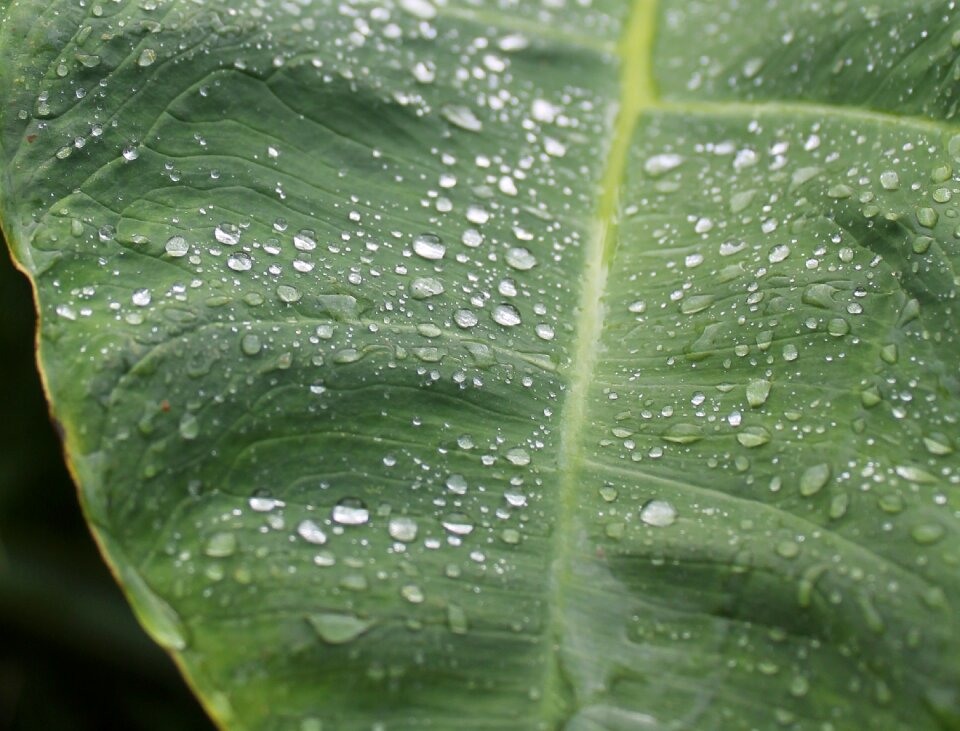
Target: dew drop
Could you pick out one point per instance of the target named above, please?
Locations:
(506, 315)
(227, 234)
(240, 262)
(403, 529)
(521, 259)
(338, 629)
(311, 532)
(658, 513)
(177, 246)
(429, 246)
(462, 117)
(221, 545)
(350, 511)
(813, 479)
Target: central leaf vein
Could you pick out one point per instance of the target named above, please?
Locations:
(637, 94)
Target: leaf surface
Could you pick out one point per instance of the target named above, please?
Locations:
(583, 366)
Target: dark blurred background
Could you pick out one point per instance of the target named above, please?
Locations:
(72, 656)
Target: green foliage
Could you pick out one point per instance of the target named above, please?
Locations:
(531, 365)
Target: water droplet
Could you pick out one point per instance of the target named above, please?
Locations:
(403, 529)
(457, 619)
(221, 545)
(890, 180)
(412, 593)
(927, 533)
(311, 532)
(506, 315)
(661, 164)
(545, 332)
(177, 246)
(337, 629)
(240, 262)
(813, 479)
(305, 240)
(424, 72)
(753, 436)
(457, 483)
(141, 297)
(521, 259)
(758, 390)
(462, 117)
(250, 344)
(227, 234)
(458, 524)
(682, 433)
(288, 294)
(658, 513)
(429, 246)
(350, 511)
(425, 287)
(696, 303)
(147, 57)
(189, 426)
(518, 456)
(478, 215)
(938, 444)
(465, 319)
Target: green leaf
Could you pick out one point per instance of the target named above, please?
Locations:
(530, 365)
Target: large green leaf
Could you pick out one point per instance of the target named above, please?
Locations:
(515, 365)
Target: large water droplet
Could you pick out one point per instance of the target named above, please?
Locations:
(429, 246)
(658, 513)
(350, 511)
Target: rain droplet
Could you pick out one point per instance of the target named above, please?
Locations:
(758, 390)
(429, 246)
(189, 426)
(506, 315)
(658, 513)
(311, 532)
(240, 262)
(462, 117)
(147, 57)
(227, 234)
(465, 319)
(337, 629)
(518, 456)
(350, 511)
(813, 479)
(305, 240)
(426, 287)
(661, 164)
(403, 529)
(177, 246)
(221, 545)
(521, 259)
(753, 436)
(457, 483)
